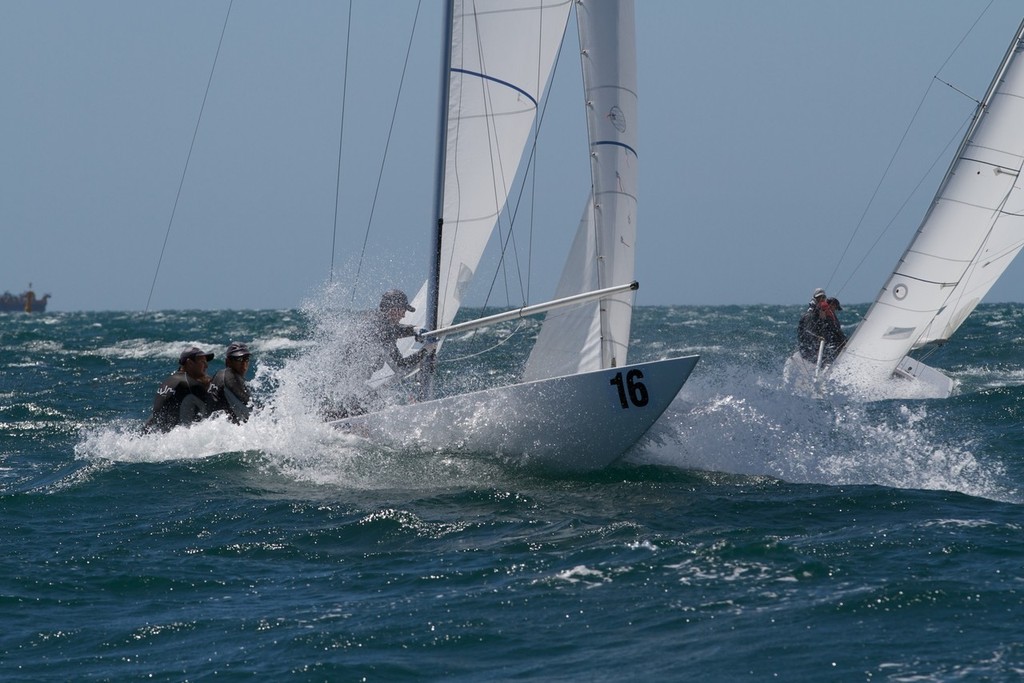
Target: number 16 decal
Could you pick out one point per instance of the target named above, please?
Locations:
(632, 390)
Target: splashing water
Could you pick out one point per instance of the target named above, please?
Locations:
(758, 428)
(734, 415)
(287, 431)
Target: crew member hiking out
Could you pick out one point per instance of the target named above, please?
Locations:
(182, 398)
(228, 391)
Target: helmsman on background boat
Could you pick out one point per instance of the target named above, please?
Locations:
(819, 335)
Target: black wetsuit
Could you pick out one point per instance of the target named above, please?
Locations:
(371, 345)
(809, 333)
(228, 392)
(387, 335)
(179, 400)
(817, 324)
(835, 338)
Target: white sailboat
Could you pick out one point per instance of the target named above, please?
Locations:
(580, 404)
(972, 231)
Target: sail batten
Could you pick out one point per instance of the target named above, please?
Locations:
(488, 77)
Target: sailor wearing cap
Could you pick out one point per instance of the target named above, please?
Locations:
(227, 389)
(182, 398)
(371, 346)
(394, 304)
(388, 329)
(395, 300)
(810, 331)
(819, 335)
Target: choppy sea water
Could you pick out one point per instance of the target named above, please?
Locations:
(753, 535)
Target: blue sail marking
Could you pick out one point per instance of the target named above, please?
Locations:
(617, 144)
(497, 80)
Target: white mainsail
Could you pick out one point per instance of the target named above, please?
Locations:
(596, 335)
(972, 231)
(502, 56)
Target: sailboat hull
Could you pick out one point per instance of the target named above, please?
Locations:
(574, 423)
(912, 379)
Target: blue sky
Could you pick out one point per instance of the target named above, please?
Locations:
(765, 129)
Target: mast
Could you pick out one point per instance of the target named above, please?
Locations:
(434, 269)
(979, 112)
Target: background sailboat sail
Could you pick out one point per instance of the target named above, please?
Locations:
(502, 56)
(972, 231)
(596, 335)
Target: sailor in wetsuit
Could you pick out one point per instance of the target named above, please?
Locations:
(182, 398)
(386, 330)
(373, 345)
(835, 338)
(227, 389)
(811, 329)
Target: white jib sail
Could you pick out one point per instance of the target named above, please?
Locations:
(972, 231)
(596, 335)
(503, 53)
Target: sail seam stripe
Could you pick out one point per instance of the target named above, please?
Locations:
(937, 257)
(993, 164)
(974, 205)
(928, 282)
(513, 86)
(616, 143)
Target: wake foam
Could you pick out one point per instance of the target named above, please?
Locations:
(287, 432)
(737, 424)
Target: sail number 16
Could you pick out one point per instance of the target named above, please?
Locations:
(632, 390)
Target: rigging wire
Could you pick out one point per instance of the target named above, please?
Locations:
(184, 171)
(387, 145)
(501, 342)
(892, 160)
(941, 155)
(953, 87)
(341, 139)
(533, 176)
(531, 166)
(499, 185)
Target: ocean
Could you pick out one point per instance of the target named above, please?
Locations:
(754, 534)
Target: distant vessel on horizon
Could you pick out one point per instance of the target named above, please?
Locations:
(26, 301)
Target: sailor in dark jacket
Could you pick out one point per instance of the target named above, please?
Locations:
(835, 338)
(386, 329)
(372, 344)
(227, 390)
(182, 398)
(812, 327)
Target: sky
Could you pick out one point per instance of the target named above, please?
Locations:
(783, 146)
